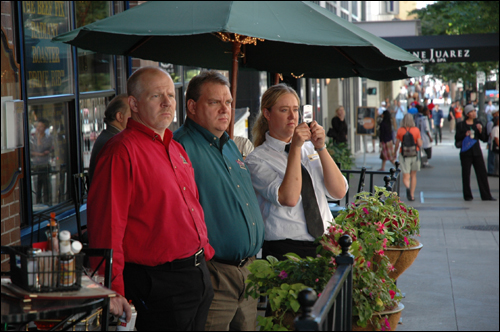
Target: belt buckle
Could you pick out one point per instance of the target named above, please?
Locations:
(243, 262)
(197, 261)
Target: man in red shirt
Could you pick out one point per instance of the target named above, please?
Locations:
(144, 204)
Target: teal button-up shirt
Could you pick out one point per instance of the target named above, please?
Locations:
(232, 214)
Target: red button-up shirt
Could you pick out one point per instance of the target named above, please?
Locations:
(143, 202)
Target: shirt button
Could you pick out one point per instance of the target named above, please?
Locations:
(192, 209)
(229, 167)
(238, 185)
(184, 188)
(253, 223)
(247, 204)
(175, 166)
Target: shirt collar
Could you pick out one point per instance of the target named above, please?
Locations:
(276, 144)
(211, 138)
(167, 135)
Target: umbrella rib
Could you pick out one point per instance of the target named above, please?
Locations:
(348, 58)
(138, 44)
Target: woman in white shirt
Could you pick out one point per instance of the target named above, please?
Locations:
(277, 175)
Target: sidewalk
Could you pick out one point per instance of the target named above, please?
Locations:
(454, 283)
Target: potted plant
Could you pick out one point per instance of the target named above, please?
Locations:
(281, 282)
(374, 292)
(396, 223)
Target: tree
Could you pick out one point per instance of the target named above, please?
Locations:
(459, 18)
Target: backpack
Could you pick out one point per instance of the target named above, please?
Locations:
(409, 148)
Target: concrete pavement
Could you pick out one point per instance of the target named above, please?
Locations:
(454, 283)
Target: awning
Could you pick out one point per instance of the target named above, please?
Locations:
(450, 48)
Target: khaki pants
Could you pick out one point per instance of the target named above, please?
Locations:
(230, 310)
(452, 125)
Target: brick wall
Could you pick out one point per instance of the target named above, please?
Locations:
(11, 222)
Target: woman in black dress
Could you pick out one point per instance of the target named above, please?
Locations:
(386, 143)
(338, 132)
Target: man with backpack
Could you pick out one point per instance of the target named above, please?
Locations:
(409, 138)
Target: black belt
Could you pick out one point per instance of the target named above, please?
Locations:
(178, 264)
(234, 263)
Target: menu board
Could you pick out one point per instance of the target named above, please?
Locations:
(48, 64)
(366, 120)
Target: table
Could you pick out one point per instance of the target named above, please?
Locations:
(20, 307)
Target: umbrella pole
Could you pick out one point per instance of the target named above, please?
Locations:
(234, 86)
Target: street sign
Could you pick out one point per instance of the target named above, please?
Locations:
(480, 77)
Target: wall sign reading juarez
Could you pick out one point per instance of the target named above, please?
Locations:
(48, 64)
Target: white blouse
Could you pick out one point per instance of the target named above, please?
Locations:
(267, 165)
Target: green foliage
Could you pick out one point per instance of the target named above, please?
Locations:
(281, 282)
(341, 153)
(458, 18)
(373, 222)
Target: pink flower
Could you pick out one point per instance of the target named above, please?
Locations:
(383, 280)
(332, 261)
(406, 241)
(392, 293)
(317, 279)
(384, 244)
(391, 267)
(368, 264)
(380, 252)
(283, 275)
(387, 325)
(381, 227)
(365, 210)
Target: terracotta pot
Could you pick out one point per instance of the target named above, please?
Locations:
(402, 258)
(393, 318)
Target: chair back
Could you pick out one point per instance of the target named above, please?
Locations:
(81, 184)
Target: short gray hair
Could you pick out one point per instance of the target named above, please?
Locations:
(408, 121)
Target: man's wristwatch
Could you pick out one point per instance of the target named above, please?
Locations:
(320, 149)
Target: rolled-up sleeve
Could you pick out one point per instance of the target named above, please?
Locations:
(265, 180)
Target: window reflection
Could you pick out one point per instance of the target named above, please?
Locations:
(49, 154)
(95, 70)
(92, 123)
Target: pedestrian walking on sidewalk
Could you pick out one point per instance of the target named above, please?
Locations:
(386, 143)
(409, 165)
(467, 137)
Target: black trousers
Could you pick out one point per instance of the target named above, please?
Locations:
(481, 175)
(175, 300)
(282, 247)
(438, 132)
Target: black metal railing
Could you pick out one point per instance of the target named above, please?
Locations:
(392, 180)
(332, 311)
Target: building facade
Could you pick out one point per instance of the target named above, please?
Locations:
(57, 94)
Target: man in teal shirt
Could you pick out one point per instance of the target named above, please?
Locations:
(232, 214)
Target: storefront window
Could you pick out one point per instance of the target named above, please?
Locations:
(49, 155)
(95, 70)
(48, 64)
(92, 123)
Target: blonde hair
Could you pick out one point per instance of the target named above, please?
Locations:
(337, 111)
(408, 121)
(269, 99)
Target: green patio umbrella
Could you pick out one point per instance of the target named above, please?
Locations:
(289, 37)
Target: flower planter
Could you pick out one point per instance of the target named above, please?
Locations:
(402, 258)
(393, 319)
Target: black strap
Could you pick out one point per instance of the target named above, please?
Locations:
(309, 203)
